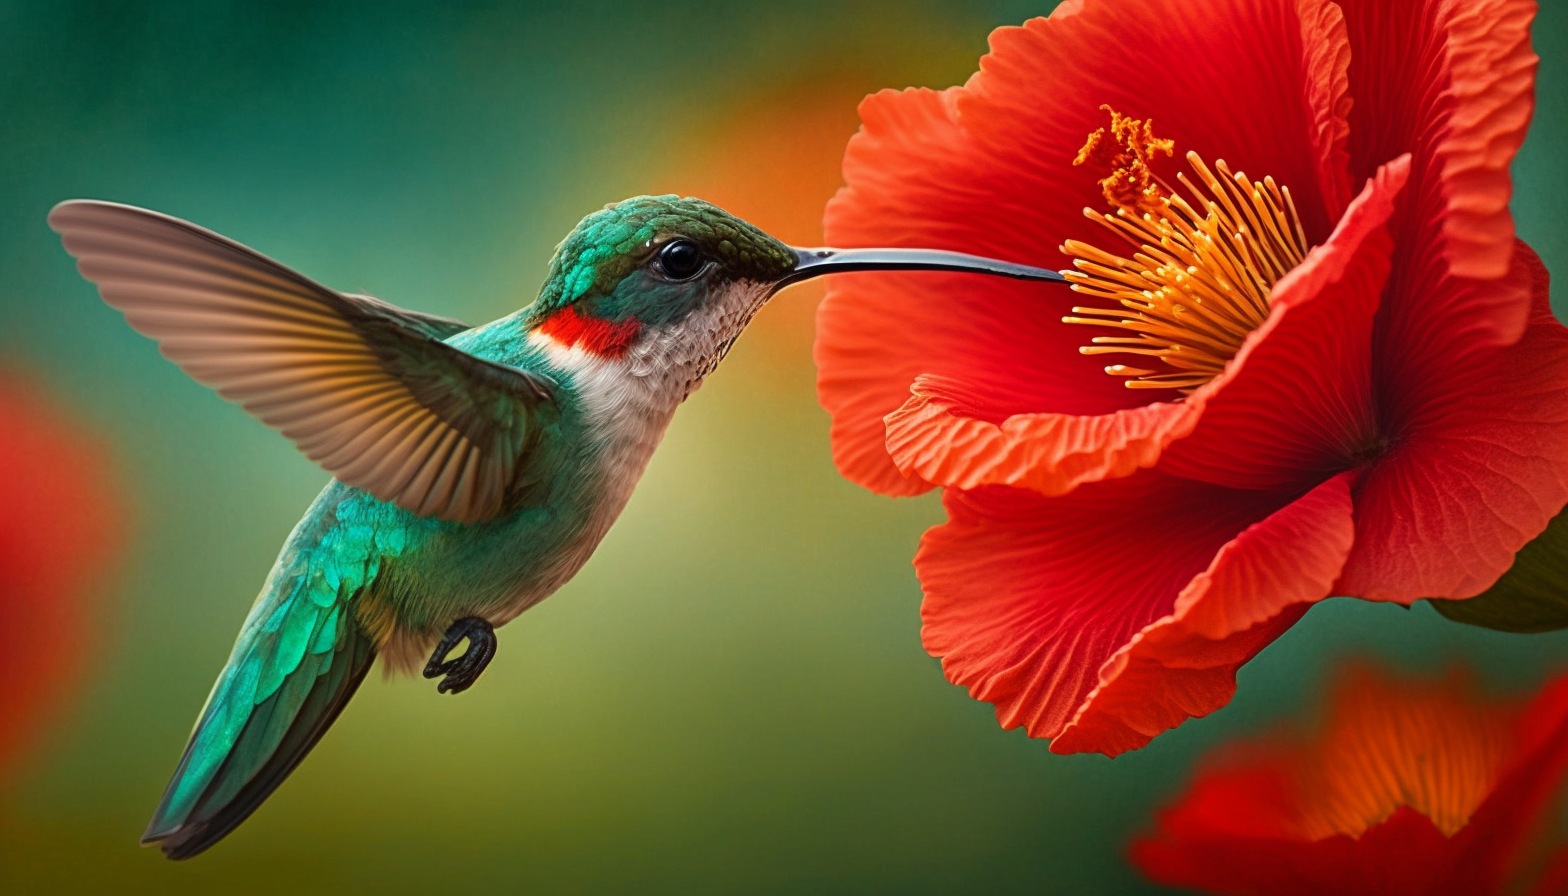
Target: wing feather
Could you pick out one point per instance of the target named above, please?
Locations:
(367, 390)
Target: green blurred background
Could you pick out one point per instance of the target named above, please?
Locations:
(732, 696)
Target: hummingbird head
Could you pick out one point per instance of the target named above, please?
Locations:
(676, 280)
(651, 262)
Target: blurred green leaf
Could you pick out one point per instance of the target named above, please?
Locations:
(1531, 597)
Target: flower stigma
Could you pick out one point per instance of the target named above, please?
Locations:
(1201, 270)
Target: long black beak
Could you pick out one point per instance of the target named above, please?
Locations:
(815, 262)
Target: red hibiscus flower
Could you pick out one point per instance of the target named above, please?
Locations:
(1412, 789)
(1334, 370)
(59, 531)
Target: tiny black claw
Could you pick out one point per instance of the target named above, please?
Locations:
(464, 670)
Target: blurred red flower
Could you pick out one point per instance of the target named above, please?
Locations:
(60, 529)
(1413, 788)
(1344, 376)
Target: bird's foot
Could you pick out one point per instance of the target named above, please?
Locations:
(464, 670)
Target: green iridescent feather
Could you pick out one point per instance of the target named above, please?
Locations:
(299, 658)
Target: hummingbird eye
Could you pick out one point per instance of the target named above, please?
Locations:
(680, 260)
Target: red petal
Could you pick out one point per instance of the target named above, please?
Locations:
(1404, 856)
(1296, 402)
(1259, 84)
(871, 351)
(987, 169)
(1026, 597)
(1293, 406)
(1326, 66)
(877, 333)
(1435, 745)
(1249, 824)
(1478, 466)
(1554, 882)
(1452, 81)
(1519, 809)
(944, 435)
(1184, 665)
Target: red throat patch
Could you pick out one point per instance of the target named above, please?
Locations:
(604, 338)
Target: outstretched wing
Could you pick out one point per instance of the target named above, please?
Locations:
(366, 390)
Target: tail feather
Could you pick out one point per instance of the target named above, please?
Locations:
(298, 660)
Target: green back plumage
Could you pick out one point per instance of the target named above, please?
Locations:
(299, 658)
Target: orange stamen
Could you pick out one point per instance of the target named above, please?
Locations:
(1202, 270)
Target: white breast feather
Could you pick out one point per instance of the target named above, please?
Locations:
(629, 402)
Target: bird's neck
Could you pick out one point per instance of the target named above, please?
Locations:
(625, 405)
(664, 357)
(595, 337)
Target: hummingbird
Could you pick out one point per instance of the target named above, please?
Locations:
(475, 469)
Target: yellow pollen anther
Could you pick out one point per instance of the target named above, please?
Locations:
(1201, 270)
(1126, 152)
